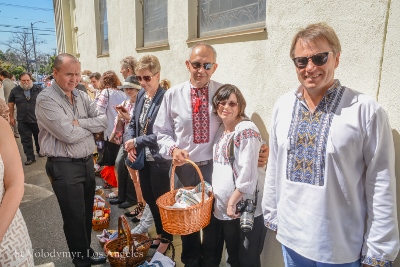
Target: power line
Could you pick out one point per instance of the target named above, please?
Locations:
(27, 28)
(2, 17)
(28, 7)
(27, 33)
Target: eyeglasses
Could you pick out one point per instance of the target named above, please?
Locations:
(197, 65)
(231, 104)
(318, 60)
(145, 78)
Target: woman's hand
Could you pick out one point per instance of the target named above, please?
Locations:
(231, 211)
(123, 115)
(233, 200)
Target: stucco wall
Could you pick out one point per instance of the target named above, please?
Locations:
(369, 31)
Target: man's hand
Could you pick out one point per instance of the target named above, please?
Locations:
(76, 123)
(179, 156)
(263, 156)
(12, 121)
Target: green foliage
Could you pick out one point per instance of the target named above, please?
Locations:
(9, 62)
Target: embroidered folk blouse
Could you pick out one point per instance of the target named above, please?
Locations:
(247, 141)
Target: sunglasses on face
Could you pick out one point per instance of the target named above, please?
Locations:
(318, 60)
(197, 65)
(145, 78)
(231, 104)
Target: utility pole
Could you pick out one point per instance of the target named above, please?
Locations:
(34, 47)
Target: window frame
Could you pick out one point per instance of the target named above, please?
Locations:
(255, 33)
(99, 33)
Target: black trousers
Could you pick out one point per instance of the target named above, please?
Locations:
(154, 181)
(74, 185)
(126, 189)
(193, 251)
(26, 130)
(244, 249)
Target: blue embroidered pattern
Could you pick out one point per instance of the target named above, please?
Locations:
(375, 262)
(308, 135)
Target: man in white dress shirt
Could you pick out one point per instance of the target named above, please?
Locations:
(330, 188)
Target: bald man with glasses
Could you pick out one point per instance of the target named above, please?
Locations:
(187, 131)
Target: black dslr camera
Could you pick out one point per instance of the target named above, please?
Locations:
(246, 208)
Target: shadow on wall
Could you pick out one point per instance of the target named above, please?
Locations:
(396, 140)
(261, 126)
(271, 255)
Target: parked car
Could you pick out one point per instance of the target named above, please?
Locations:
(41, 84)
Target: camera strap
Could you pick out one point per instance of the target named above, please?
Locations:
(232, 160)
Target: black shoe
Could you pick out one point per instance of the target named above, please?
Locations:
(126, 205)
(30, 161)
(98, 260)
(115, 201)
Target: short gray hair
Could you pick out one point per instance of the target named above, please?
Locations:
(207, 46)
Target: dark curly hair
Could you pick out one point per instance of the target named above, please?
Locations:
(109, 79)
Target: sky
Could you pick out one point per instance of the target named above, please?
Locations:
(18, 14)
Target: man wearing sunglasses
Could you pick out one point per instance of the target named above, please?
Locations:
(330, 182)
(185, 127)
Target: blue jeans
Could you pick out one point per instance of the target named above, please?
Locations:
(293, 259)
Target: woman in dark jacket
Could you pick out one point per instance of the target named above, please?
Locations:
(154, 176)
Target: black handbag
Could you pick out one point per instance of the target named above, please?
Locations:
(110, 153)
(138, 164)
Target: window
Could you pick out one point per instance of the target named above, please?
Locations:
(103, 27)
(155, 20)
(226, 16)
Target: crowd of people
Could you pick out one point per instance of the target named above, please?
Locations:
(325, 183)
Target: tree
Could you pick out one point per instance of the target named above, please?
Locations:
(20, 46)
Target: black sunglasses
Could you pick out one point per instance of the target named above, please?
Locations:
(198, 65)
(318, 60)
(145, 78)
(231, 104)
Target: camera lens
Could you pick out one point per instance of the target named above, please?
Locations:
(246, 221)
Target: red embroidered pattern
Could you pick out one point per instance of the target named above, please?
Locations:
(200, 115)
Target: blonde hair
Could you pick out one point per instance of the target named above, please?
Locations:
(148, 62)
(314, 32)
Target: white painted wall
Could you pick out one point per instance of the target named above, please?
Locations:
(369, 31)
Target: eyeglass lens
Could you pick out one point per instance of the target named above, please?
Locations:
(198, 65)
(145, 78)
(318, 59)
(231, 104)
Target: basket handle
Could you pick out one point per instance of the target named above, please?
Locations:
(124, 229)
(161, 239)
(198, 171)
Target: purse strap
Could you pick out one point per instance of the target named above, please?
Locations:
(151, 110)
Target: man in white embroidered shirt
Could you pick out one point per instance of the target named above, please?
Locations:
(186, 127)
(330, 182)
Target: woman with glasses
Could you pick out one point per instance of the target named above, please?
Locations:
(154, 176)
(237, 178)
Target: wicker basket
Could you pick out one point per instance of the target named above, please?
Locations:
(136, 255)
(186, 220)
(100, 224)
(100, 192)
